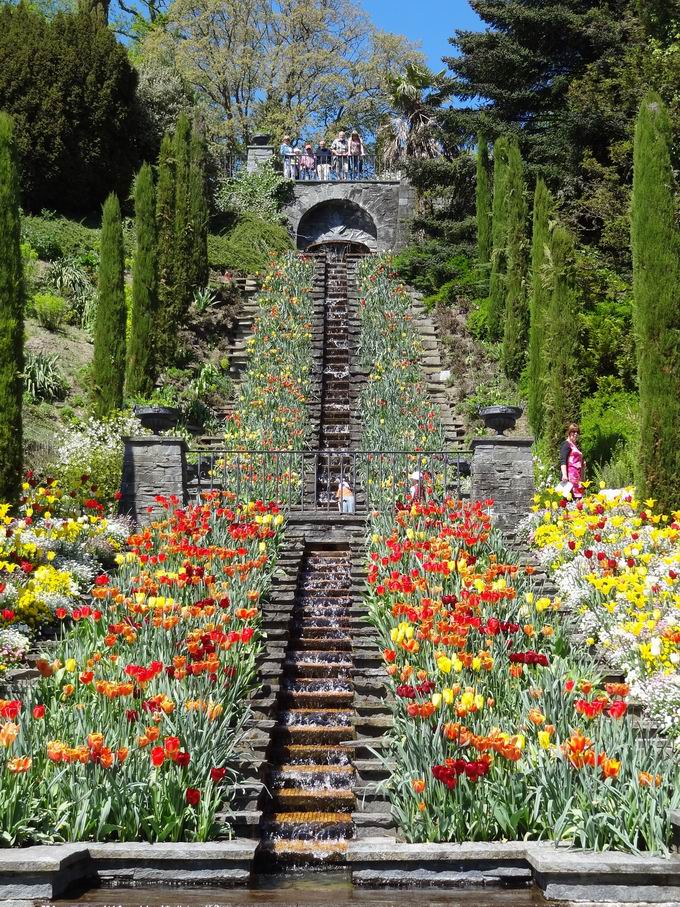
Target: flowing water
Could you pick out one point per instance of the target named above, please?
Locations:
(308, 816)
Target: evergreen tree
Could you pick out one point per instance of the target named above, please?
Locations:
(499, 239)
(198, 208)
(562, 384)
(183, 286)
(516, 323)
(656, 278)
(69, 86)
(483, 202)
(11, 318)
(141, 374)
(108, 365)
(165, 221)
(538, 306)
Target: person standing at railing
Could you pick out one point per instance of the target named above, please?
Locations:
(323, 161)
(308, 164)
(345, 497)
(340, 150)
(287, 153)
(356, 156)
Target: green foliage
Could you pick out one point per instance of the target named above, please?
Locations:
(248, 247)
(11, 317)
(516, 322)
(43, 379)
(483, 202)
(182, 274)
(108, 365)
(563, 383)
(656, 277)
(199, 214)
(71, 278)
(50, 310)
(140, 367)
(538, 306)
(56, 237)
(489, 392)
(262, 192)
(499, 239)
(609, 422)
(165, 225)
(70, 87)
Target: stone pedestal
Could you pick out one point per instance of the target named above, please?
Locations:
(258, 154)
(152, 465)
(503, 469)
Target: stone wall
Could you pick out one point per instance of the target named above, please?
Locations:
(388, 204)
(152, 466)
(503, 470)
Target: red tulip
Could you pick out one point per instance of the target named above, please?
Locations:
(216, 774)
(193, 796)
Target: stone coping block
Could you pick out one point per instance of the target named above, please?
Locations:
(214, 851)
(500, 441)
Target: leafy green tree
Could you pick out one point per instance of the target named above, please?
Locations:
(538, 306)
(562, 385)
(165, 221)
(499, 239)
(483, 202)
(70, 88)
(141, 372)
(198, 208)
(516, 323)
(108, 364)
(11, 318)
(656, 278)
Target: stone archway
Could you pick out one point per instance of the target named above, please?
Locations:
(337, 220)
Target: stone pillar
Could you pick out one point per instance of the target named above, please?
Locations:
(503, 469)
(152, 465)
(258, 154)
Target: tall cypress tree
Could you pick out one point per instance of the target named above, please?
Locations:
(11, 317)
(183, 239)
(140, 375)
(165, 221)
(538, 305)
(516, 323)
(483, 201)
(499, 239)
(562, 384)
(108, 366)
(656, 279)
(198, 207)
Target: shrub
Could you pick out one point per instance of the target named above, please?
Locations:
(261, 192)
(50, 310)
(56, 237)
(70, 278)
(609, 420)
(42, 378)
(247, 248)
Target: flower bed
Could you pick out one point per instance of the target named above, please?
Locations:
(50, 552)
(616, 563)
(270, 413)
(501, 731)
(128, 733)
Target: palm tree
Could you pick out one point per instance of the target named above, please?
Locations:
(416, 96)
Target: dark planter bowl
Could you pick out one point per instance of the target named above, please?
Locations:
(261, 138)
(158, 418)
(500, 418)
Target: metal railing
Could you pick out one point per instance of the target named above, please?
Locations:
(309, 480)
(353, 168)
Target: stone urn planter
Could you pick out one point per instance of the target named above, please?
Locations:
(261, 138)
(158, 418)
(500, 418)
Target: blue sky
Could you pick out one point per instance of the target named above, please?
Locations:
(431, 22)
